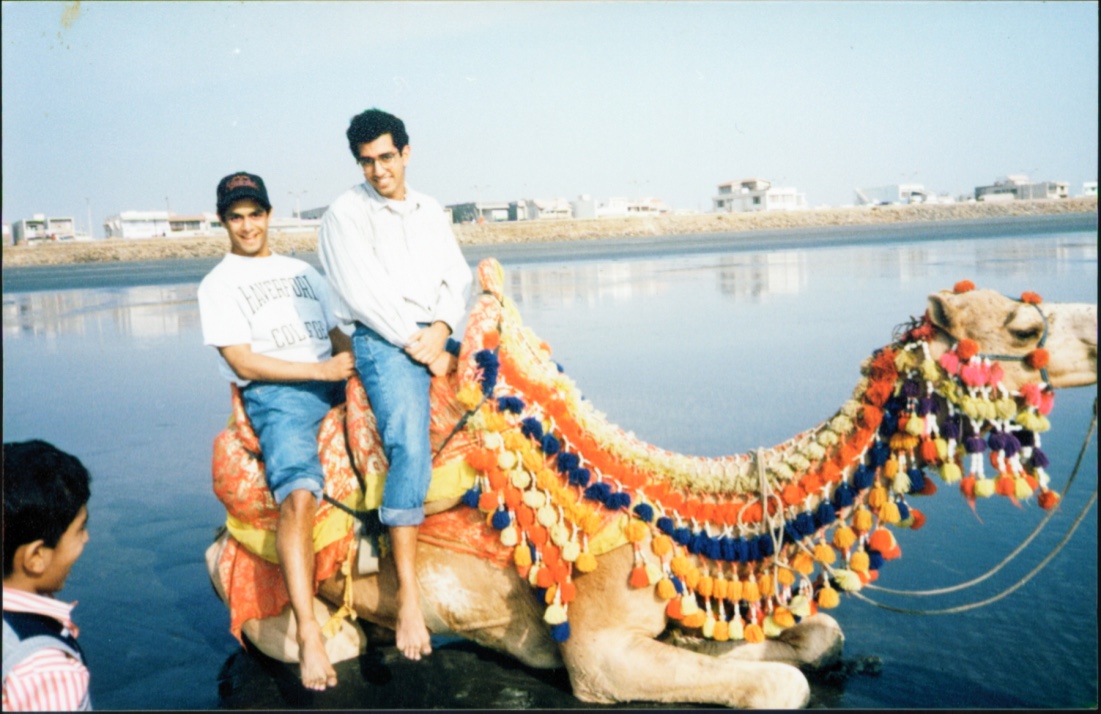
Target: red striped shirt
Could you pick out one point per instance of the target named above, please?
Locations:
(49, 679)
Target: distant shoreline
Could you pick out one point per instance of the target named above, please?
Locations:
(607, 230)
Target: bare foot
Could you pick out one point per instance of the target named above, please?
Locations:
(317, 671)
(411, 636)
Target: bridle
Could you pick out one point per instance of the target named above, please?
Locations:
(1011, 358)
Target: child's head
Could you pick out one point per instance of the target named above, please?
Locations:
(45, 511)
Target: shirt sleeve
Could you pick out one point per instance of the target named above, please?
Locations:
(223, 321)
(343, 247)
(47, 680)
(454, 289)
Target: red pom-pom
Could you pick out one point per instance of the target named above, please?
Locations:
(967, 349)
(929, 489)
(638, 577)
(1031, 298)
(917, 517)
(1037, 358)
(1048, 500)
(963, 286)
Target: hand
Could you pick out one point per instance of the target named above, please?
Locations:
(446, 363)
(426, 344)
(340, 367)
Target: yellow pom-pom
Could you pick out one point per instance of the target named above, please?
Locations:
(547, 516)
(506, 460)
(984, 487)
(889, 513)
(848, 580)
(785, 576)
(734, 589)
(534, 499)
(586, 562)
(680, 565)
(770, 627)
(750, 591)
(636, 531)
(719, 588)
(799, 606)
(844, 537)
(706, 586)
(859, 561)
(470, 394)
(653, 573)
(823, 553)
(901, 482)
(522, 555)
(783, 617)
(942, 448)
(662, 545)
(509, 536)
(878, 495)
(688, 605)
(828, 598)
(559, 535)
(692, 577)
(736, 628)
(708, 626)
(915, 425)
(555, 615)
(753, 633)
(570, 551)
(666, 589)
(1021, 488)
(862, 519)
(951, 472)
(519, 478)
(764, 585)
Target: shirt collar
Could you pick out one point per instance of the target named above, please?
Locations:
(23, 601)
(411, 203)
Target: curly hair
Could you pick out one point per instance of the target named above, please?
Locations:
(370, 125)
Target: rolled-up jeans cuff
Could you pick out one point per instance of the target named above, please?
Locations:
(401, 516)
(299, 484)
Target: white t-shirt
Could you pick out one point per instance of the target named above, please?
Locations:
(280, 306)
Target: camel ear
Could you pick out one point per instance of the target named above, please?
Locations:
(941, 311)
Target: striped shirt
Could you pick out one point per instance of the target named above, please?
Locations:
(49, 679)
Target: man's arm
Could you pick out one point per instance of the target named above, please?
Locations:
(247, 364)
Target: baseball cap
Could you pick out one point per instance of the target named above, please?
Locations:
(241, 185)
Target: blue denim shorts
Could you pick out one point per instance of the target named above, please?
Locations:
(286, 417)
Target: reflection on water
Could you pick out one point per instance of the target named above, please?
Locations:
(708, 354)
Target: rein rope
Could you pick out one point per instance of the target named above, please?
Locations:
(1015, 586)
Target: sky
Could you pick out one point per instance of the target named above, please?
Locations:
(113, 106)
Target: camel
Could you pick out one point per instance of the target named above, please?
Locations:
(561, 540)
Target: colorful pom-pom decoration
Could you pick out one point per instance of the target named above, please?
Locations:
(963, 286)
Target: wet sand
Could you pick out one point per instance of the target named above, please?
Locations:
(573, 231)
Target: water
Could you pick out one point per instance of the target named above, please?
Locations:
(709, 351)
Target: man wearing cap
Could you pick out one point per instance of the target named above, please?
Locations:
(271, 319)
(389, 253)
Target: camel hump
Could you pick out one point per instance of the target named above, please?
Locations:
(491, 276)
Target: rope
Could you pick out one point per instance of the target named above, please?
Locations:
(1043, 563)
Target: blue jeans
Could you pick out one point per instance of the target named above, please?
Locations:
(397, 388)
(286, 417)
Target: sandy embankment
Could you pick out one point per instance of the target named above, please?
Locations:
(561, 230)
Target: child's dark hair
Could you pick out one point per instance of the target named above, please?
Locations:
(44, 489)
(370, 125)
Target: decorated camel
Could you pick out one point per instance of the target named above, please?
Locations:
(561, 540)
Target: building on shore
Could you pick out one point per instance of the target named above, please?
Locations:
(1089, 188)
(41, 228)
(1017, 187)
(160, 224)
(617, 207)
(757, 194)
(899, 193)
(480, 212)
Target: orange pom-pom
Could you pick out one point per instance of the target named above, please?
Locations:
(696, 619)
(568, 592)
(661, 545)
(783, 617)
(636, 531)
(487, 502)
(672, 610)
(638, 577)
(753, 633)
(963, 286)
(1031, 298)
(793, 494)
(1037, 358)
(666, 589)
(491, 340)
(828, 598)
(722, 631)
(881, 540)
(706, 586)
(917, 519)
(966, 349)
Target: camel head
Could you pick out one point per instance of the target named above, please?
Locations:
(1025, 336)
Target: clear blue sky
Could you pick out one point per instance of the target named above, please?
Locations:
(124, 105)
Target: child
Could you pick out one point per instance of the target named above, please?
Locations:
(45, 528)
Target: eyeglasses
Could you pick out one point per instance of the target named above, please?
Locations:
(385, 160)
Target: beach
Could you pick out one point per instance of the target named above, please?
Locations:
(524, 232)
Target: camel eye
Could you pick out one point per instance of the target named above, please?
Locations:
(1025, 335)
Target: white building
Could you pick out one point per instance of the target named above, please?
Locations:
(1016, 187)
(41, 228)
(756, 194)
(900, 193)
(1089, 188)
(542, 209)
(160, 224)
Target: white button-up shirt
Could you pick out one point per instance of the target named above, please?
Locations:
(393, 263)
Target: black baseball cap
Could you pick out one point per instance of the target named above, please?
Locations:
(241, 185)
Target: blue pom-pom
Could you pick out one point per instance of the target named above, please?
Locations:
(665, 525)
(714, 549)
(879, 453)
(599, 491)
(844, 496)
(741, 545)
(698, 543)
(580, 477)
(531, 428)
(791, 530)
(510, 404)
(875, 559)
(677, 584)
(566, 461)
(804, 523)
(618, 500)
(550, 445)
(825, 515)
(682, 535)
(470, 498)
(560, 632)
(903, 510)
(917, 480)
(757, 548)
(863, 477)
(501, 519)
(729, 552)
(644, 511)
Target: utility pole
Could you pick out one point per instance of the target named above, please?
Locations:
(297, 205)
(91, 231)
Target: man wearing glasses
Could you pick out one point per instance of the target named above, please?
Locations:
(389, 253)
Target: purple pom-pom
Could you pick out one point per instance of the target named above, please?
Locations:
(1012, 445)
(974, 445)
(996, 440)
(1039, 459)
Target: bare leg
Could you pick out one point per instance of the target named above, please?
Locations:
(294, 543)
(412, 636)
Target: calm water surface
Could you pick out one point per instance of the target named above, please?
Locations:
(710, 353)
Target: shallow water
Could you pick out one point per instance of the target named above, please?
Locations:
(710, 353)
